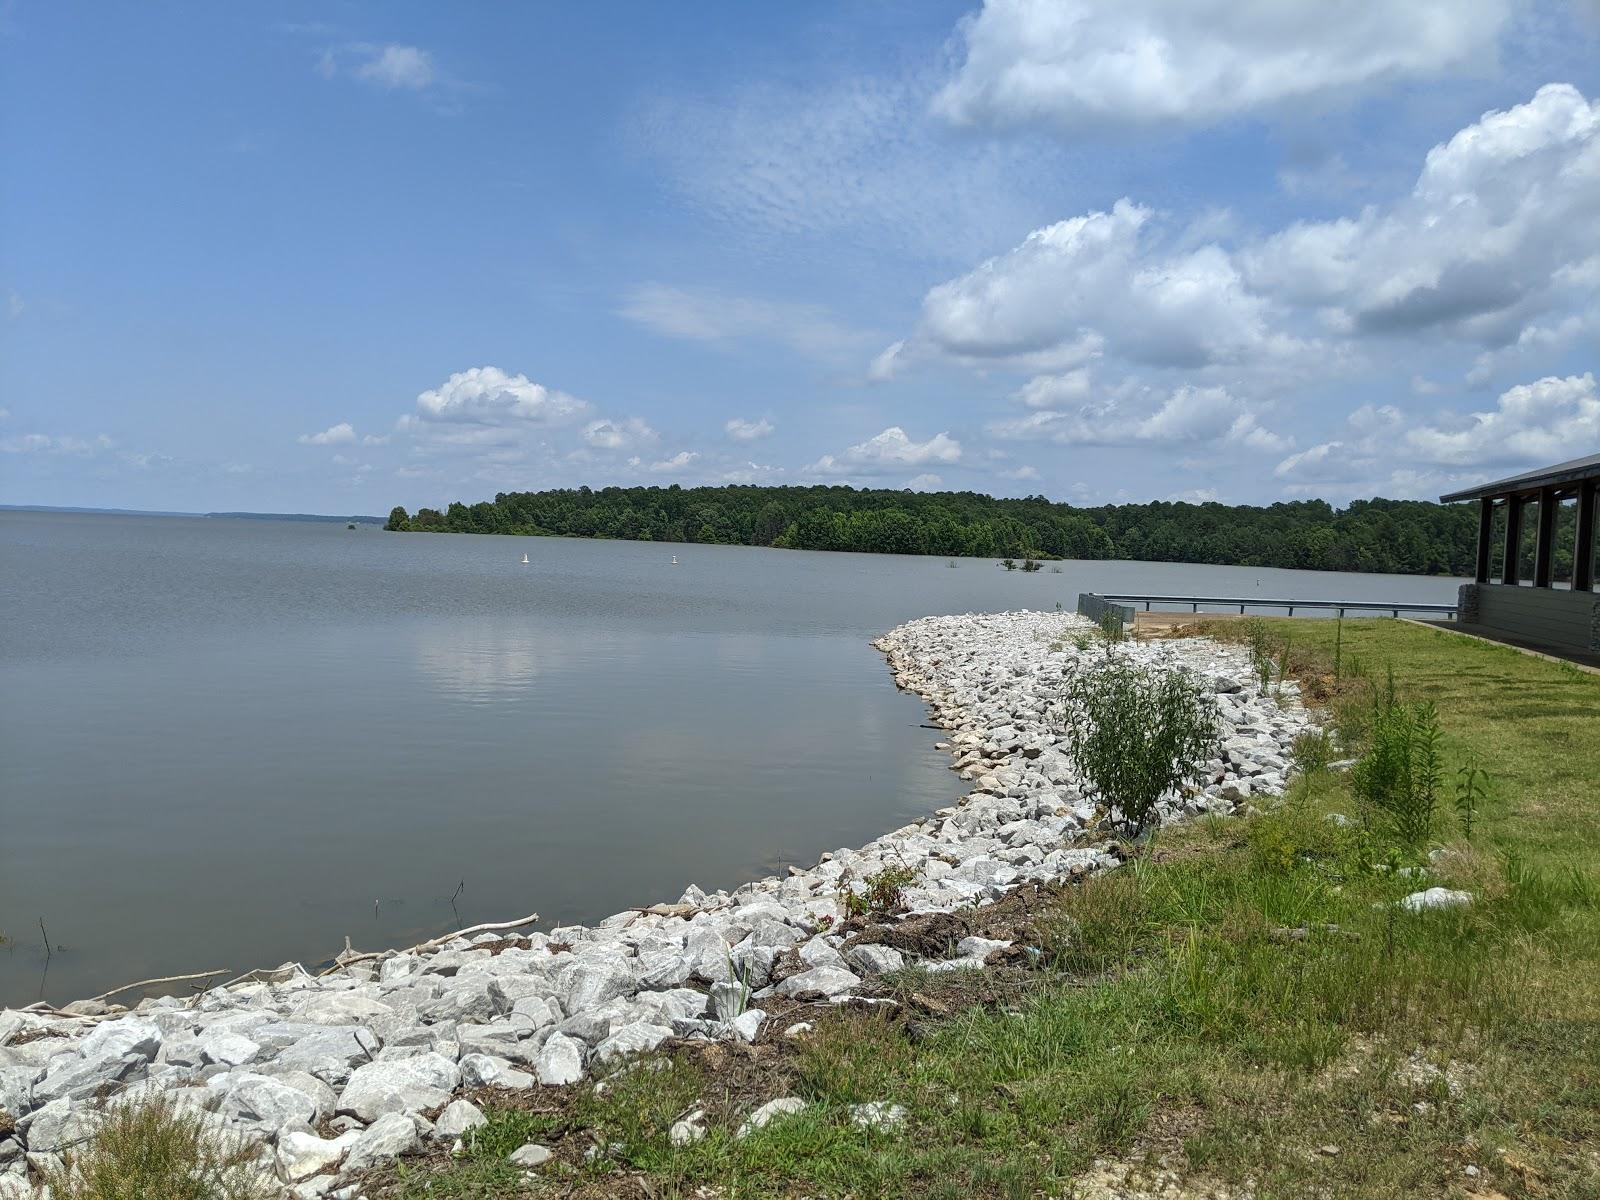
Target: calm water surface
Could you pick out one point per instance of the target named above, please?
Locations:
(224, 744)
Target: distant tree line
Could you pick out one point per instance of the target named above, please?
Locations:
(1401, 536)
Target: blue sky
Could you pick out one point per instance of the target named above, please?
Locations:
(337, 257)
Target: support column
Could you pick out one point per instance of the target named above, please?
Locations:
(1583, 552)
(1485, 531)
(1544, 546)
(1511, 570)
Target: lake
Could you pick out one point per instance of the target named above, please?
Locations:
(227, 743)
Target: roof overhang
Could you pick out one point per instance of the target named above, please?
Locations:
(1574, 471)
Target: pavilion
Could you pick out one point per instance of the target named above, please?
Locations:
(1552, 604)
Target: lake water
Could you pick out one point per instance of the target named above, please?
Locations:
(225, 744)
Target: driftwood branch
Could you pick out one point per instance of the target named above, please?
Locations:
(348, 955)
(345, 957)
(128, 987)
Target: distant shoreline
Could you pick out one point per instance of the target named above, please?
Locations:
(147, 512)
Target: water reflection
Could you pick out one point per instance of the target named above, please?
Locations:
(482, 661)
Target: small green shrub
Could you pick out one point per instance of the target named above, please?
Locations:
(1009, 564)
(145, 1151)
(1310, 755)
(882, 894)
(1401, 773)
(1030, 565)
(1138, 733)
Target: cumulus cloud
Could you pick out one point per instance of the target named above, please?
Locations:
(1052, 391)
(1383, 451)
(676, 465)
(1093, 284)
(1548, 420)
(1209, 414)
(705, 315)
(334, 435)
(1499, 227)
(889, 452)
(926, 482)
(741, 430)
(607, 434)
(488, 396)
(1122, 417)
(1081, 64)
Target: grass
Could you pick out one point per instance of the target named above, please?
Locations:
(1242, 1006)
(151, 1150)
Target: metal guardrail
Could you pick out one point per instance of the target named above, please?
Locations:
(1093, 604)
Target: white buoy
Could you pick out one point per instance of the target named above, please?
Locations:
(674, 560)
(524, 560)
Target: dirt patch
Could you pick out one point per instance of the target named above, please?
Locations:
(1013, 918)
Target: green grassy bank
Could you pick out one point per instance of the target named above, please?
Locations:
(1241, 1011)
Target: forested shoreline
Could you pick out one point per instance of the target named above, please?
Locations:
(1398, 536)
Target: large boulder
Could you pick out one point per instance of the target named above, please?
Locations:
(631, 1039)
(390, 1136)
(330, 1054)
(560, 1061)
(403, 1086)
(269, 1103)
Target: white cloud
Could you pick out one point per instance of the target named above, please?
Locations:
(888, 452)
(1093, 283)
(851, 159)
(488, 397)
(334, 435)
(677, 464)
(1209, 414)
(394, 66)
(1499, 227)
(926, 482)
(607, 434)
(1312, 461)
(1021, 473)
(1121, 417)
(886, 365)
(741, 430)
(1083, 64)
(703, 315)
(1052, 391)
(752, 472)
(1386, 453)
(61, 444)
(1549, 420)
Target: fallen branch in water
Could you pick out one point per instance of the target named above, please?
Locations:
(128, 987)
(348, 955)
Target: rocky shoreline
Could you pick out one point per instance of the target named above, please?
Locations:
(341, 1072)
